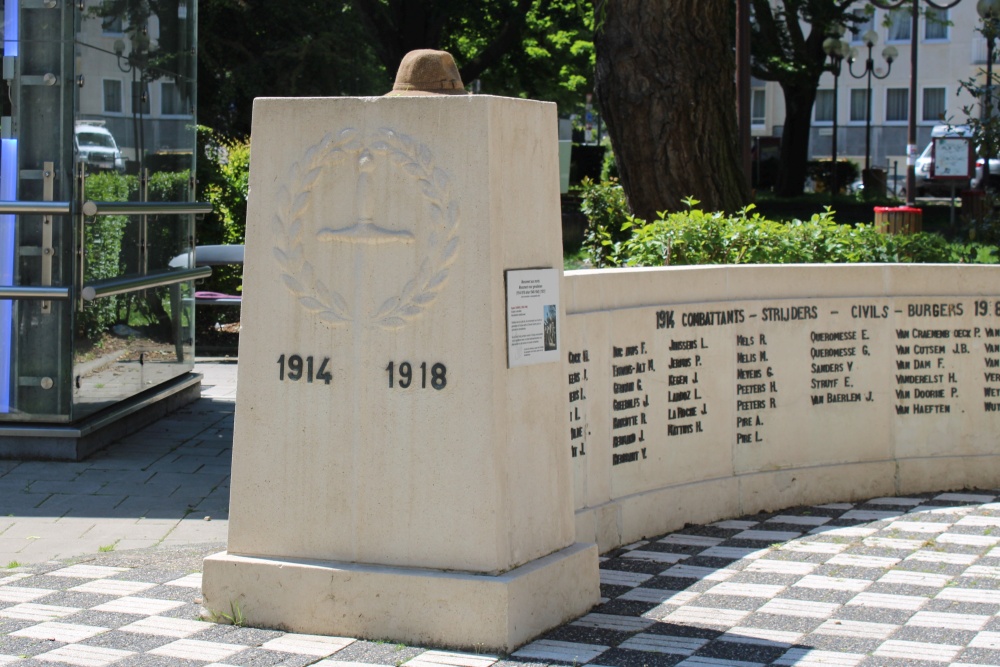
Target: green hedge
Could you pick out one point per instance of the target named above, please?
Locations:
(615, 238)
(102, 238)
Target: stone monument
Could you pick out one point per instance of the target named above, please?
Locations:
(393, 478)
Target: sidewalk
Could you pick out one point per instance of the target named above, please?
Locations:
(166, 485)
(887, 582)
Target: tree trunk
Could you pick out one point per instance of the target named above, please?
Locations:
(664, 80)
(794, 155)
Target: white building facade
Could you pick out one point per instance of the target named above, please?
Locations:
(950, 49)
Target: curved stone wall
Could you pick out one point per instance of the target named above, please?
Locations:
(698, 393)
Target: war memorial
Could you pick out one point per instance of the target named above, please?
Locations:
(438, 430)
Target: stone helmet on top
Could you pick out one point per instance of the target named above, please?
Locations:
(427, 72)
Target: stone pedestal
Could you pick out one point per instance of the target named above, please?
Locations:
(392, 478)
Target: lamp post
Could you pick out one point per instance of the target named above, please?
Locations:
(989, 12)
(890, 53)
(911, 130)
(836, 50)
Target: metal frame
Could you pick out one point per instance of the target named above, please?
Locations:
(113, 286)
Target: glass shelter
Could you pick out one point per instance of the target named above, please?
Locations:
(97, 210)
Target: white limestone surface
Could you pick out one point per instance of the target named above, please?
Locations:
(697, 393)
(378, 422)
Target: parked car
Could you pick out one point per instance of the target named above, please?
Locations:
(95, 146)
(994, 179)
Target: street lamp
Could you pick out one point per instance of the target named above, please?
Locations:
(890, 53)
(836, 49)
(989, 12)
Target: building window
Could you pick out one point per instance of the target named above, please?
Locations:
(934, 105)
(935, 24)
(823, 110)
(897, 105)
(112, 96)
(112, 25)
(859, 105)
(171, 103)
(758, 107)
(899, 25)
(859, 30)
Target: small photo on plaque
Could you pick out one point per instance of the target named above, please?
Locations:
(532, 316)
(550, 328)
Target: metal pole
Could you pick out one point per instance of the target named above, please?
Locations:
(911, 126)
(988, 109)
(833, 149)
(869, 67)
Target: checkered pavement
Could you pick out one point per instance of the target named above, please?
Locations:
(887, 582)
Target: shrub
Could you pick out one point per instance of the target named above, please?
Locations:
(615, 238)
(821, 171)
(697, 237)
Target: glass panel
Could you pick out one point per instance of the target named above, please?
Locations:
(36, 165)
(111, 25)
(897, 104)
(824, 106)
(59, 360)
(112, 96)
(900, 23)
(148, 157)
(758, 107)
(935, 23)
(859, 96)
(171, 100)
(934, 104)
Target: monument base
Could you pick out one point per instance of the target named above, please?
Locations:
(417, 606)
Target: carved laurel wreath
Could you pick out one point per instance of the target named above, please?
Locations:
(295, 199)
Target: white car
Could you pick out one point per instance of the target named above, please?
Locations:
(96, 147)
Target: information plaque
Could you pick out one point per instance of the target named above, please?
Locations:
(532, 316)
(952, 158)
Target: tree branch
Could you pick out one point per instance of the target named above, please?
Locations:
(509, 33)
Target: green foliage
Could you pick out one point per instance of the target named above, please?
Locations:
(224, 182)
(607, 211)
(821, 171)
(983, 227)
(985, 126)
(553, 61)
(229, 186)
(696, 237)
(166, 240)
(103, 237)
